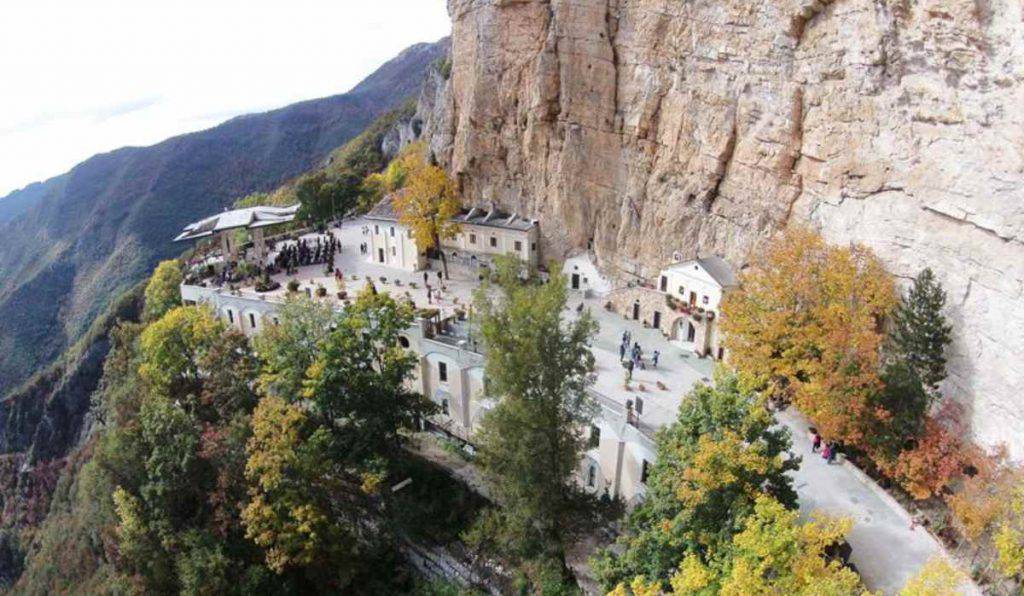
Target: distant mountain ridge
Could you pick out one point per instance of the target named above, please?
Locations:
(74, 242)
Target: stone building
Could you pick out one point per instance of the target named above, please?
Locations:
(483, 234)
(684, 303)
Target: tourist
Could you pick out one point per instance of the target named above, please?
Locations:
(430, 295)
(832, 449)
(815, 442)
(654, 358)
(826, 453)
(426, 279)
(622, 351)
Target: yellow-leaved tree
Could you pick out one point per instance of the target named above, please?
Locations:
(774, 553)
(428, 202)
(162, 291)
(807, 326)
(938, 577)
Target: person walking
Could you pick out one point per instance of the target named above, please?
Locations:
(815, 442)
(426, 278)
(826, 453)
(833, 447)
(654, 358)
(622, 351)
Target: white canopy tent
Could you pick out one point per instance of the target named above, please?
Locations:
(250, 218)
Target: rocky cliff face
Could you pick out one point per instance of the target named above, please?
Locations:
(704, 126)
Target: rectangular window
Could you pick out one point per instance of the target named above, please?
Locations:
(519, 246)
(494, 241)
(444, 406)
(392, 231)
(645, 471)
(442, 371)
(639, 405)
(533, 246)
(376, 229)
(664, 283)
(595, 437)
(252, 321)
(394, 251)
(231, 317)
(705, 299)
(472, 238)
(591, 475)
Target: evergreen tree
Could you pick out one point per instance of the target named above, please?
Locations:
(920, 332)
(532, 441)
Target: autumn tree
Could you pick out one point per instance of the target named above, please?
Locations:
(531, 442)
(171, 349)
(774, 553)
(175, 450)
(287, 349)
(380, 184)
(1009, 536)
(807, 326)
(163, 291)
(938, 577)
(295, 512)
(428, 202)
(920, 332)
(722, 452)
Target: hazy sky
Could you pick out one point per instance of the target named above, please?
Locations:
(84, 77)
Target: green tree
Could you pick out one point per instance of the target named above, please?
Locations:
(288, 349)
(357, 386)
(324, 196)
(163, 291)
(428, 202)
(723, 451)
(920, 332)
(532, 441)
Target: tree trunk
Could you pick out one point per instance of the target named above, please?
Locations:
(444, 259)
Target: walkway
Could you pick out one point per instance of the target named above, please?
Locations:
(886, 551)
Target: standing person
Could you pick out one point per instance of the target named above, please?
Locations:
(426, 278)
(826, 453)
(625, 337)
(622, 352)
(629, 371)
(430, 295)
(815, 442)
(832, 447)
(654, 358)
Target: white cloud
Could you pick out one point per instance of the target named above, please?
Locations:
(81, 78)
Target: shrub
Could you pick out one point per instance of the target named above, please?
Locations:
(293, 285)
(321, 291)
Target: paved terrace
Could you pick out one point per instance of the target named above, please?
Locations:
(678, 370)
(886, 550)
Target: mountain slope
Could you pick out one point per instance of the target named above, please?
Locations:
(72, 243)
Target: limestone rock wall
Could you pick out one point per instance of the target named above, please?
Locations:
(704, 126)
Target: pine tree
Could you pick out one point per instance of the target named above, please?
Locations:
(920, 332)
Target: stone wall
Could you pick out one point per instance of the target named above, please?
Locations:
(705, 126)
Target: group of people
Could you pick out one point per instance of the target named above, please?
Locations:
(636, 354)
(305, 252)
(828, 448)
